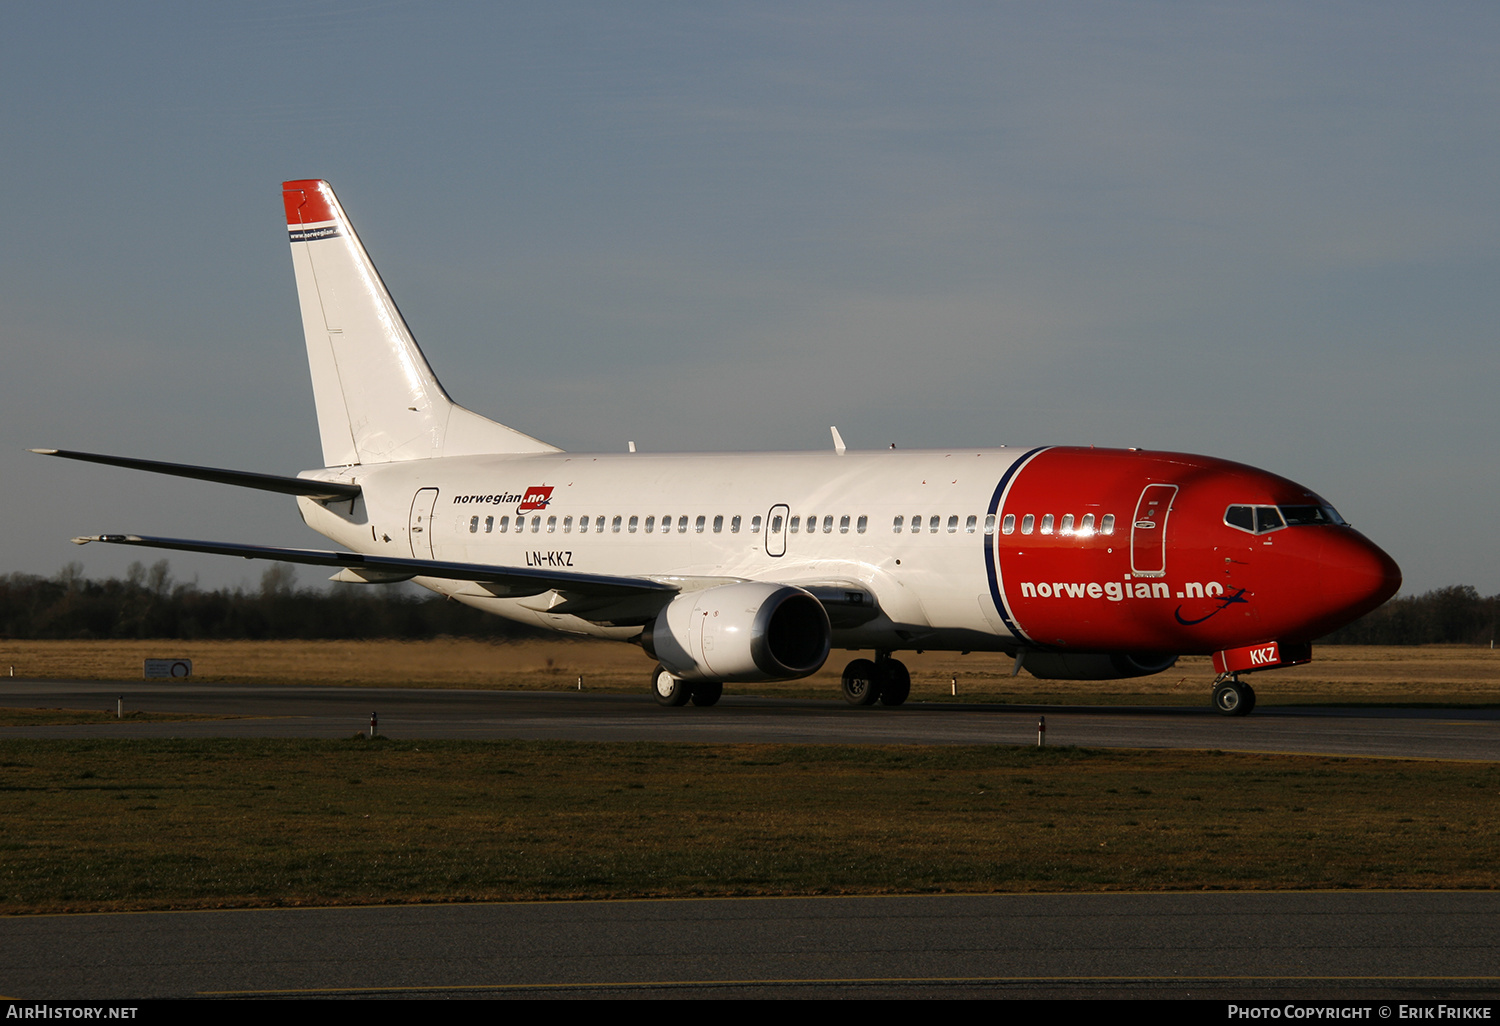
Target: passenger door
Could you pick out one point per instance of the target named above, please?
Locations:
(422, 507)
(1148, 531)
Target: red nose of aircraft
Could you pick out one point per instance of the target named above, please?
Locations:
(1356, 576)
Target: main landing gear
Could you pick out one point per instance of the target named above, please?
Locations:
(1231, 696)
(884, 680)
(674, 691)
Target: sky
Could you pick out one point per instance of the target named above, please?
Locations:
(1261, 231)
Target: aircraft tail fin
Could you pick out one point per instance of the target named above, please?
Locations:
(378, 400)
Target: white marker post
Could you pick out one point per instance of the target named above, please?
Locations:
(1041, 731)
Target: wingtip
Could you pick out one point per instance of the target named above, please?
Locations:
(45, 452)
(84, 540)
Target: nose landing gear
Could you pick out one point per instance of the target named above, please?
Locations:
(1231, 697)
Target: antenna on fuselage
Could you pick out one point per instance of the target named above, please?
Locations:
(838, 440)
(632, 446)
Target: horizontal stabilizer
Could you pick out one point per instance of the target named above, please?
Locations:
(323, 490)
(507, 582)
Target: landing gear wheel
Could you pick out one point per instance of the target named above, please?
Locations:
(707, 692)
(895, 681)
(1231, 698)
(668, 689)
(860, 685)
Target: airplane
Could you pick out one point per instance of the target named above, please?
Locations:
(1081, 563)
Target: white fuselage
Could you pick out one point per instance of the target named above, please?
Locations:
(732, 517)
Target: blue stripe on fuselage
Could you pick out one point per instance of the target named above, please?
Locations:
(992, 541)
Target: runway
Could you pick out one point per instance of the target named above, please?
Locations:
(1261, 946)
(1376, 946)
(269, 711)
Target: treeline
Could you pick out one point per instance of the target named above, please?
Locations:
(149, 604)
(1454, 616)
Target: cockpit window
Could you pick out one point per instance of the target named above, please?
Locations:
(1254, 519)
(1265, 519)
(1296, 515)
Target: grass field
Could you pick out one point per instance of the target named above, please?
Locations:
(108, 825)
(111, 825)
(1338, 673)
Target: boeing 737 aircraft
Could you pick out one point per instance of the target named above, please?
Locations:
(1082, 563)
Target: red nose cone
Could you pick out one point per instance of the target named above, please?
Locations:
(1357, 576)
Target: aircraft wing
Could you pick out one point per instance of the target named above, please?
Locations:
(577, 590)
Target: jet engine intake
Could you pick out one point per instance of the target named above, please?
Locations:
(741, 632)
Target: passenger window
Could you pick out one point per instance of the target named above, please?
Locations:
(567, 525)
(973, 522)
(551, 525)
(843, 525)
(473, 525)
(776, 524)
(615, 526)
(897, 525)
(734, 525)
(536, 524)
(953, 525)
(755, 525)
(1007, 526)
(932, 524)
(1028, 522)
(698, 524)
(719, 524)
(489, 525)
(795, 524)
(1046, 523)
(1107, 525)
(1086, 529)
(828, 524)
(504, 524)
(633, 523)
(1067, 524)
(861, 524)
(650, 525)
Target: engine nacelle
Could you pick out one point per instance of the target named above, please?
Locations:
(1095, 665)
(741, 632)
